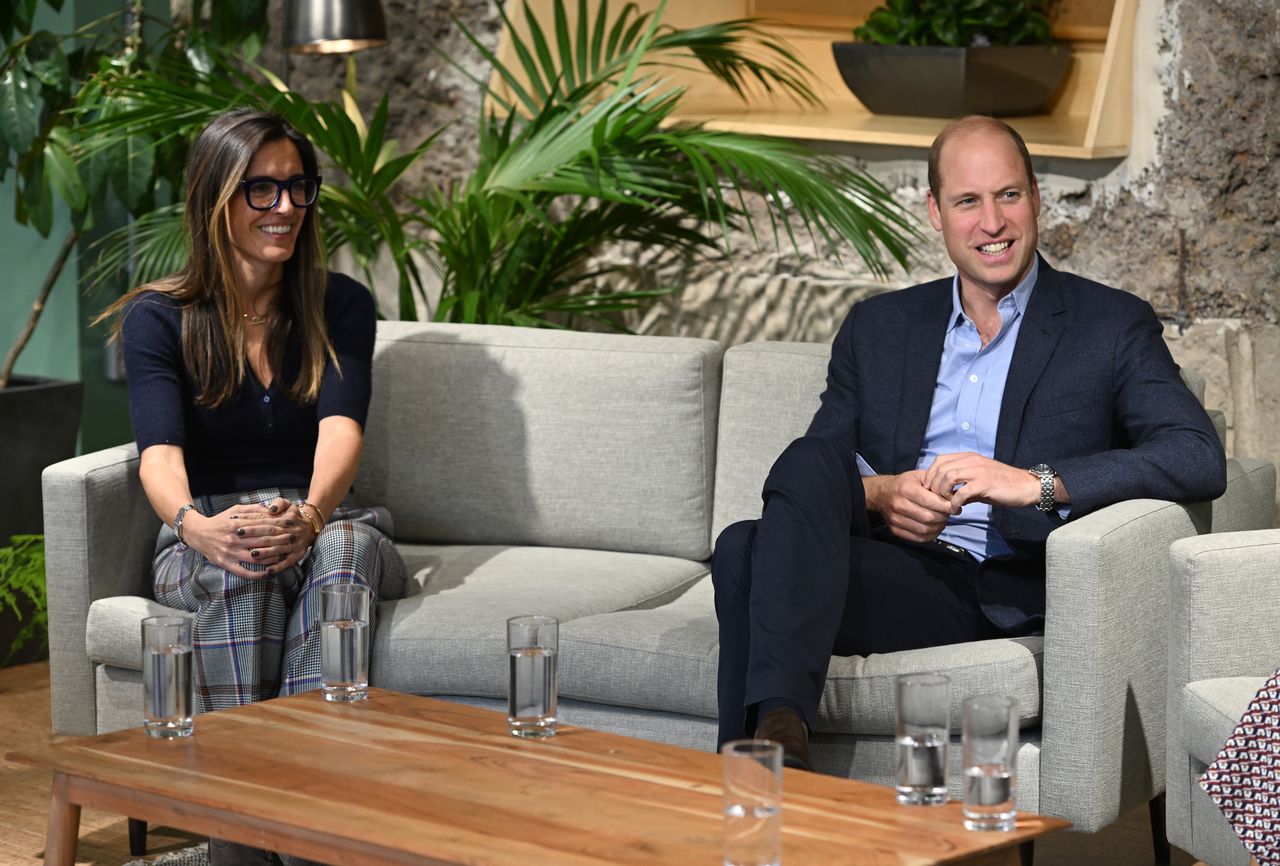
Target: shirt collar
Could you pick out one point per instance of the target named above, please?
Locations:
(1014, 302)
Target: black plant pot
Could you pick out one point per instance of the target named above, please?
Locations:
(941, 81)
(39, 422)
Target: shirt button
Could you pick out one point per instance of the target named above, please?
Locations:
(266, 399)
(964, 426)
(973, 377)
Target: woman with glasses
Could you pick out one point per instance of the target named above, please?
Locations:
(249, 381)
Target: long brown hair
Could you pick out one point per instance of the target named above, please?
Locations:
(213, 337)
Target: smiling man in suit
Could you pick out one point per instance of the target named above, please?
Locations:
(963, 420)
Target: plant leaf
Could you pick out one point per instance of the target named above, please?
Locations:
(43, 57)
(19, 117)
(61, 173)
(131, 165)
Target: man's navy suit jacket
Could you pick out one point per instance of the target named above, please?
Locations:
(1092, 391)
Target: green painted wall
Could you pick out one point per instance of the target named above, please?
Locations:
(54, 348)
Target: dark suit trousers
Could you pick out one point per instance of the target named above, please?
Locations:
(811, 579)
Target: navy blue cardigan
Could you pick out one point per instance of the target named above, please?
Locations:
(261, 437)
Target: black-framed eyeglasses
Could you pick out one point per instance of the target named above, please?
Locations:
(263, 193)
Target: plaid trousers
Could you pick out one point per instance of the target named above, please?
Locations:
(258, 639)
(1245, 779)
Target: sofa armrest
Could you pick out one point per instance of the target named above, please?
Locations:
(99, 537)
(1224, 606)
(1105, 660)
(1250, 500)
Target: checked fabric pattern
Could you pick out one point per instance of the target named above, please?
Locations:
(258, 639)
(1244, 780)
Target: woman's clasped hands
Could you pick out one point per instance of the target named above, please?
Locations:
(251, 541)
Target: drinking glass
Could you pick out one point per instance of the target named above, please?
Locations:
(990, 735)
(752, 802)
(532, 644)
(167, 689)
(344, 641)
(923, 732)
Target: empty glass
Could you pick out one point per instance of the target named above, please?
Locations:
(752, 802)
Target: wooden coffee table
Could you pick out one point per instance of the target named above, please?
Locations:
(400, 779)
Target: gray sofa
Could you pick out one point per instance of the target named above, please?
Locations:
(585, 476)
(1224, 642)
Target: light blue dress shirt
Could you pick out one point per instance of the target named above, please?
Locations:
(966, 406)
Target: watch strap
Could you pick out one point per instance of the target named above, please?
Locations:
(177, 520)
(1046, 475)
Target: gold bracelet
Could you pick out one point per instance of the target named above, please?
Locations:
(315, 521)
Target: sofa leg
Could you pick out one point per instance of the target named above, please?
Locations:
(1159, 833)
(137, 837)
(1027, 852)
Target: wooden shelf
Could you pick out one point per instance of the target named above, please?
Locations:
(1089, 118)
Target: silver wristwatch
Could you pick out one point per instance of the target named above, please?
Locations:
(1045, 473)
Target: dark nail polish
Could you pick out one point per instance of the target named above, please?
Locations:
(254, 554)
(271, 571)
(291, 522)
(273, 509)
(240, 532)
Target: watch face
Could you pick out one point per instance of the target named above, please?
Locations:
(1042, 469)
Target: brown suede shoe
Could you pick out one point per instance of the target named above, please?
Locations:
(782, 725)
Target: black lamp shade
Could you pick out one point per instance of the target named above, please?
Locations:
(333, 26)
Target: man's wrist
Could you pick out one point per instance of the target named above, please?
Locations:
(871, 485)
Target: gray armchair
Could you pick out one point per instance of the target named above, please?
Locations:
(1093, 744)
(1224, 642)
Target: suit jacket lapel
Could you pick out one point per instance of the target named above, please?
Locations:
(1037, 338)
(920, 376)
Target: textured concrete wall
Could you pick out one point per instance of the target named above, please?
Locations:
(1187, 221)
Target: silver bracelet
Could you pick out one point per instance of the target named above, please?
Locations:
(177, 521)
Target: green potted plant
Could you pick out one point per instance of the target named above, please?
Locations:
(946, 58)
(49, 96)
(576, 149)
(24, 614)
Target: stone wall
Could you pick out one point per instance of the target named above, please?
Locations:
(1187, 221)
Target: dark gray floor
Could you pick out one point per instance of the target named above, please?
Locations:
(1125, 843)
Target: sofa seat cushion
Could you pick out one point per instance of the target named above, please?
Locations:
(113, 631)
(861, 691)
(659, 659)
(1211, 709)
(666, 659)
(450, 636)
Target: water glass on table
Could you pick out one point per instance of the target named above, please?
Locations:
(923, 732)
(990, 736)
(167, 688)
(344, 641)
(532, 645)
(752, 802)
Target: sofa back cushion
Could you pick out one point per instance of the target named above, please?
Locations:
(480, 434)
(769, 394)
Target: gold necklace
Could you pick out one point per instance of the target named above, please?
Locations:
(254, 320)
